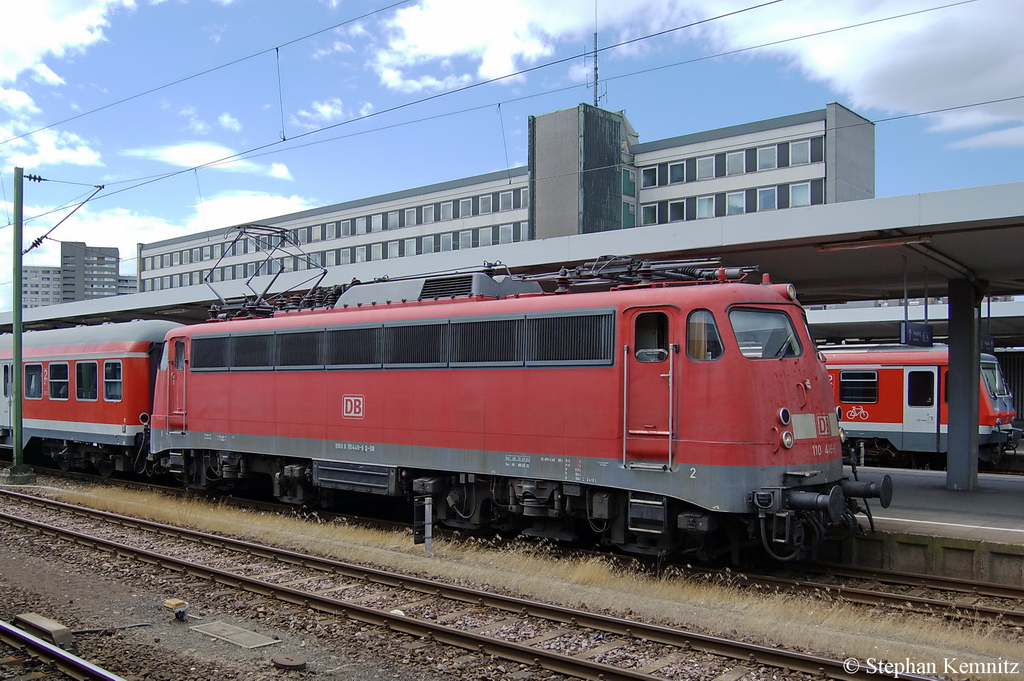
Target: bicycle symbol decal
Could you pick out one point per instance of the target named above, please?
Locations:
(857, 412)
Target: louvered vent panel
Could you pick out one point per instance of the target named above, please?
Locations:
(490, 341)
(446, 287)
(579, 338)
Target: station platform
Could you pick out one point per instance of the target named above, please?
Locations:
(970, 534)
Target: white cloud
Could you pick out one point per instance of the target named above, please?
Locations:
(195, 123)
(46, 148)
(17, 101)
(320, 114)
(229, 122)
(231, 208)
(53, 27)
(337, 47)
(45, 76)
(207, 154)
(1010, 137)
(500, 38)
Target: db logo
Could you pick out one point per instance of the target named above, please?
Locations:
(352, 406)
(824, 427)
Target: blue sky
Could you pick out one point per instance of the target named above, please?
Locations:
(271, 68)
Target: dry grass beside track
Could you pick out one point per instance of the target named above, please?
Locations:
(821, 626)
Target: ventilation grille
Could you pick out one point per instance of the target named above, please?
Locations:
(447, 287)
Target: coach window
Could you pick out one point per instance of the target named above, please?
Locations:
(858, 387)
(651, 337)
(59, 380)
(702, 340)
(34, 381)
(920, 388)
(112, 388)
(86, 380)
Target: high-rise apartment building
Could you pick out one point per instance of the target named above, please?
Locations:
(85, 273)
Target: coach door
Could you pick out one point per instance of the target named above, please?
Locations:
(921, 409)
(649, 362)
(5, 406)
(176, 373)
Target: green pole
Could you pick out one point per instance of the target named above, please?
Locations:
(19, 473)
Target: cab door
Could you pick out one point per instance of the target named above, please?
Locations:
(177, 371)
(649, 362)
(921, 409)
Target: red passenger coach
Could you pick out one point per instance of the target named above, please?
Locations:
(88, 392)
(654, 417)
(893, 399)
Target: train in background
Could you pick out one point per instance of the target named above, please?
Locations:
(679, 411)
(894, 403)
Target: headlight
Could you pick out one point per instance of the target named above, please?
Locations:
(784, 416)
(787, 439)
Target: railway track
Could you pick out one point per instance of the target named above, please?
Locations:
(925, 594)
(31, 649)
(564, 640)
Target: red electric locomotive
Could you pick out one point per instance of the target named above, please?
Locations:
(894, 403)
(88, 392)
(657, 417)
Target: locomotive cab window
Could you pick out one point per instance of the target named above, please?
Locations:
(765, 334)
(651, 337)
(86, 381)
(920, 388)
(702, 340)
(7, 380)
(112, 385)
(34, 381)
(59, 381)
(858, 387)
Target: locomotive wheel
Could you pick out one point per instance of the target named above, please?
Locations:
(64, 463)
(106, 468)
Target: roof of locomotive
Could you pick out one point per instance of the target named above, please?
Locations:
(137, 331)
(686, 296)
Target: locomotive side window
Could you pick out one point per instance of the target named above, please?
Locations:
(702, 340)
(650, 337)
(112, 387)
(920, 388)
(86, 380)
(34, 381)
(858, 387)
(764, 334)
(59, 381)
